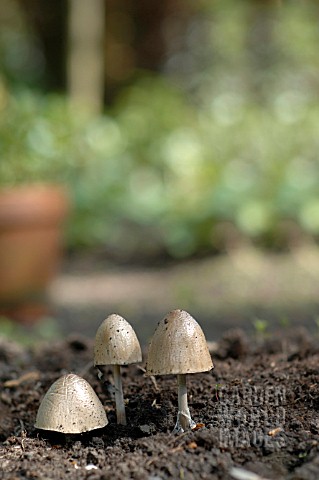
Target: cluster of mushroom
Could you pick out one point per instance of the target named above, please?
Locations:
(178, 347)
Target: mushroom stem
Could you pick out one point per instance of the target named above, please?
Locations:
(184, 420)
(119, 399)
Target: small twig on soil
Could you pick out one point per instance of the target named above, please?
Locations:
(155, 404)
(150, 376)
(23, 436)
(85, 369)
(241, 474)
(27, 377)
(141, 368)
(274, 431)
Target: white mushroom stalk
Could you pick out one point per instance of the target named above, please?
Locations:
(119, 398)
(116, 344)
(184, 419)
(179, 347)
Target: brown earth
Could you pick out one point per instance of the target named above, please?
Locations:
(259, 407)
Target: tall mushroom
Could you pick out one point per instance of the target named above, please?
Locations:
(179, 347)
(116, 344)
(71, 406)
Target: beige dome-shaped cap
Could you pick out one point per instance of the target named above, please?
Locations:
(178, 346)
(71, 406)
(116, 343)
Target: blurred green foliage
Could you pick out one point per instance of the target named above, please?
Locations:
(21, 57)
(228, 142)
(45, 331)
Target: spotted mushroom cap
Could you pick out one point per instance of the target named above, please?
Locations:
(71, 406)
(178, 346)
(116, 343)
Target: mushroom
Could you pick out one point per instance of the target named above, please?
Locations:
(116, 344)
(179, 347)
(71, 406)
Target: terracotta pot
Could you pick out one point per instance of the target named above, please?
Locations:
(31, 219)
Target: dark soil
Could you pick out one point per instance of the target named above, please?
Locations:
(257, 411)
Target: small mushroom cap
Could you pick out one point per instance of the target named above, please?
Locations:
(71, 406)
(178, 346)
(116, 343)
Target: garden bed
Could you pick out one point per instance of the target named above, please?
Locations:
(259, 410)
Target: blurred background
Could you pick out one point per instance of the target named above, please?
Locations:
(182, 138)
